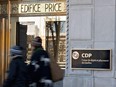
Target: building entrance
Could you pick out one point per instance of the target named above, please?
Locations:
(52, 30)
(24, 21)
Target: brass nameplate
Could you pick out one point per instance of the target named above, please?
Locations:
(91, 59)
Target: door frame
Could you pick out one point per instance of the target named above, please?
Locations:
(4, 48)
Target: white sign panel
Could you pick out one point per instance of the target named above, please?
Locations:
(42, 7)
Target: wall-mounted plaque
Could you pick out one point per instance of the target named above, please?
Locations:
(91, 59)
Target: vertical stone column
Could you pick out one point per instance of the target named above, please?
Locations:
(13, 30)
(2, 49)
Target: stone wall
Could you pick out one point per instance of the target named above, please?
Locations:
(91, 24)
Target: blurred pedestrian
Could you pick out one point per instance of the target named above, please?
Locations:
(17, 72)
(39, 68)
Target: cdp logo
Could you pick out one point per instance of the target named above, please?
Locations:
(75, 55)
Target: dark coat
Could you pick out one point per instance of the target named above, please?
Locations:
(16, 74)
(39, 69)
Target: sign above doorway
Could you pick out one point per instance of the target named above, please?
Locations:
(42, 7)
(34, 8)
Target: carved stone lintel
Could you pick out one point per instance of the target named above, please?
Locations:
(3, 9)
(14, 9)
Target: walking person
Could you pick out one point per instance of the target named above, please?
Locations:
(39, 67)
(17, 73)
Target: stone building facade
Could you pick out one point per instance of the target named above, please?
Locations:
(91, 25)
